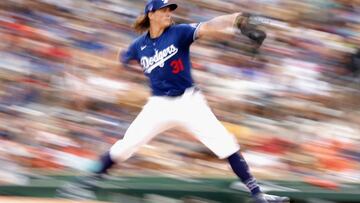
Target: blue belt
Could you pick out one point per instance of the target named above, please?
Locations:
(175, 93)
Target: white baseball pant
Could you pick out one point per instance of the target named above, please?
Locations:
(189, 111)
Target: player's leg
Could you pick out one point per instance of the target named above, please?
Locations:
(206, 128)
(241, 169)
(152, 120)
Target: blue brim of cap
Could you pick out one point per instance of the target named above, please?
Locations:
(171, 6)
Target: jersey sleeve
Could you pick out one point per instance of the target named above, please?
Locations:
(187, 33)
(130, 54)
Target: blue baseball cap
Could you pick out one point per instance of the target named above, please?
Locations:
(153, 5)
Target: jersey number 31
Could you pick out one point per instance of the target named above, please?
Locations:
(177, 66)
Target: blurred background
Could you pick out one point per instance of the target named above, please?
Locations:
(294, 108)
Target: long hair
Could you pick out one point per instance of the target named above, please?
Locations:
(142, 24)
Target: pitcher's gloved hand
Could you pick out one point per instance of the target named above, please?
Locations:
(247, 24)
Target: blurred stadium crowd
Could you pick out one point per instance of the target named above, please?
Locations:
(295, 107)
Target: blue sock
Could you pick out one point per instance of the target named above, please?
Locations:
(105, 163)
(241, 169)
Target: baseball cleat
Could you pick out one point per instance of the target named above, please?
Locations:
(265, 198)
